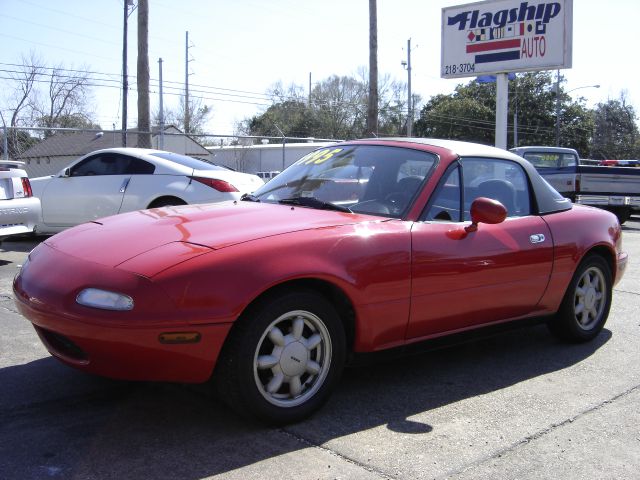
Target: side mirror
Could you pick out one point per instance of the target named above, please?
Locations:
(66, 173)
(486, 210)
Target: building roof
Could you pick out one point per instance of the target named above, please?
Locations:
(78, 143)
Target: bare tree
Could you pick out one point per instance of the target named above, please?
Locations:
(45, 96)
(21, 103)
(198, 115)
(338, 109)
(22, 98)
(144, 121)
(65, 102)
(340, 105)
(372, 110)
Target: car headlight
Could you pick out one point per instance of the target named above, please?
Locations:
(104, 299)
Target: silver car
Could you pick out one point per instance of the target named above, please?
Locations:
(19, 209)
(117, 180)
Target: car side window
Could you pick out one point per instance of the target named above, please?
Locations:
(445, 203)
(102, 164)
(89, 166)
(137, 166)
(500, 180)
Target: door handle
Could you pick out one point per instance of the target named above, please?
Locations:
(537, 238)
(124, 185)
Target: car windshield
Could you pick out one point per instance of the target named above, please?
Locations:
(378, 180)
(190, 162)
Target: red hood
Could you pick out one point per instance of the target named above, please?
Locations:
(198, 228)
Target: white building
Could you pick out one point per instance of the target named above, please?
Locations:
(262, 158)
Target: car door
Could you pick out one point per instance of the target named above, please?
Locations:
(463, 279)
(90, 189)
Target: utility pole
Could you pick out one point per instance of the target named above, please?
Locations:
(186, 83)
(144, 113)
(125, 82)
(372, 107)
(161, 119)
(309, 97)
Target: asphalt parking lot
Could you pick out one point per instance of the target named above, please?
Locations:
(517, 405)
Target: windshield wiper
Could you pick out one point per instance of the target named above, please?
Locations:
(313, 202)
(247, 197)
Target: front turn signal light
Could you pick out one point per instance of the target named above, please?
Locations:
(179, 337)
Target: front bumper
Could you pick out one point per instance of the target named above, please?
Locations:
(621, 264)
(121, 345)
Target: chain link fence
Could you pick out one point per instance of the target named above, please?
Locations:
(47, 151)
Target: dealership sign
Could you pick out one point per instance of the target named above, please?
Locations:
(498, 36)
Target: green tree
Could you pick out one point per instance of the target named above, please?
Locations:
(292, 117)
(615, 131)
(458, 117)
(73, 120)
(17, 142)
(469, 114)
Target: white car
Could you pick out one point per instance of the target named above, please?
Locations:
(117, 180)
(19, 209)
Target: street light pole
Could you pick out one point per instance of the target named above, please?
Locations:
(5, 140)
(407, 65)
(558, 104)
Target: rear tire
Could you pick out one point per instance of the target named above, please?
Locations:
(585, 307)
(283, 358)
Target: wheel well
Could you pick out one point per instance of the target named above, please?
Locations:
(166, 200)
(606, 254)
(333, 294)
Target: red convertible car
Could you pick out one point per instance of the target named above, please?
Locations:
(269, 296)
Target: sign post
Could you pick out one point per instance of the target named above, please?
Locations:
(496, 37)
(502, 110)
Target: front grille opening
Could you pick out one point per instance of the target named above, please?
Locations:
(62, 345)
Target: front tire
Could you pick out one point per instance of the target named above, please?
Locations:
(283, 359)
(585, 307)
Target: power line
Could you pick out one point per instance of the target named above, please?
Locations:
(220, 94)
(131, 77)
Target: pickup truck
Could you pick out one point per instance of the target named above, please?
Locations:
(612, 188)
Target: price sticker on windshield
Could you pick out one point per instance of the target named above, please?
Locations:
(318, 157)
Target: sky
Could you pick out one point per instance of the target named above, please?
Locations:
(238, 49)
